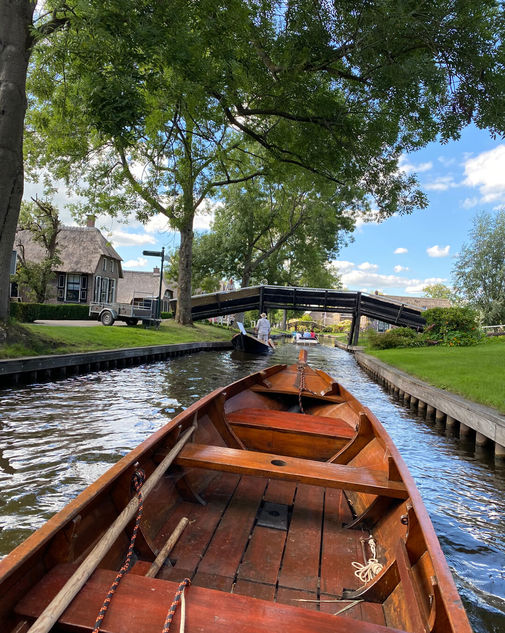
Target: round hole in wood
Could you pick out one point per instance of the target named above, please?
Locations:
(278, 462)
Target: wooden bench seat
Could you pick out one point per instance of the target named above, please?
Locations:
(292, 434)
(290, 469)
(294, 391)
(141, 604)
(299, 423)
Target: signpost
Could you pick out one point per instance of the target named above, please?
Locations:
(162, 255)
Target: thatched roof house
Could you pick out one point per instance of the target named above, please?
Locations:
(89, 269)
(140, 286)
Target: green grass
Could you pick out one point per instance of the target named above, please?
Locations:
(476, 372)
(35, 340)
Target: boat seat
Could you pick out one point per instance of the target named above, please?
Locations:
(294, 392)
(286, 421)
(141, 604)
(305, 471)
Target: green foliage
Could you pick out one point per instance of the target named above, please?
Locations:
(438, 291)
(40, 220)
(29, 312)
(479, 271)
(452, 326)
(396, 337)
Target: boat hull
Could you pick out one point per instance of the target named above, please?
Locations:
(250, 344)
(285, 480)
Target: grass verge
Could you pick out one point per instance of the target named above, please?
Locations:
(36, 340)
(476, 372)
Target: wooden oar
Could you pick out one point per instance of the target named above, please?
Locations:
(60, 602)
(167, 548)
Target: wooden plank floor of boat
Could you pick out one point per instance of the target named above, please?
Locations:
(225, 549)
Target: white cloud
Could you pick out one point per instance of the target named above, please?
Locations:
(485, 171)
(157, 224)
(367, 279)
(368, 266)
(140, 262)
(405, 166)
(438, 251)
(342, 266)
(122, 238)
(446, 162)
(401, 251)
(469, 203)
(399, 269)
(417, 285)
(442, 183)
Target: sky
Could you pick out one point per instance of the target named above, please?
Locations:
(399, 256)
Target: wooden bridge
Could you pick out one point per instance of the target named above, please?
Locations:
(265, 298)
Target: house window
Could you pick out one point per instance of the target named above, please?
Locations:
(96, 294)
(112, 265)
(104, 265)
(84, 295)
(112, 290)
(73, 288)
(104, 290)
(61, 294)
(61, 280)
(84, 282)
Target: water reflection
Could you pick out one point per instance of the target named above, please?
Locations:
(57, 438)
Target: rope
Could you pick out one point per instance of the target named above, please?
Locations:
(137, 480)
(371, 567)
(179, 597)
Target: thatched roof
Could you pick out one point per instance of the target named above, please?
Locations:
(420, 302)
(79, 248)
(140, 284)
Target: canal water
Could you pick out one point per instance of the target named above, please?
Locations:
(56, 438)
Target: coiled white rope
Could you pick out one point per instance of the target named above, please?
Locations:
(371, 567)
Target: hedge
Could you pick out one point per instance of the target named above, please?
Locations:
(29, 312)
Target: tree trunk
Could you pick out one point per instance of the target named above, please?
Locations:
(183, 313)
(15, 48)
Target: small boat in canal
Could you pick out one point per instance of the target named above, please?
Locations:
(276, 503)
(245, 342)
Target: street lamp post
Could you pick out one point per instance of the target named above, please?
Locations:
(162, 255)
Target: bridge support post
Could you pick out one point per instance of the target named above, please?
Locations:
(356, 318)
(261, 300)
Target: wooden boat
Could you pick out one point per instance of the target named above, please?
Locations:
(245, 342)
(306, 341)
(274, 490)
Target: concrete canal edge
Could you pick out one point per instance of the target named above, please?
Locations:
(445, 408)
(52, 367)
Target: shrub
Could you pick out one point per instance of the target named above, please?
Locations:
(396, 337)
(452, 326)
(29, 312)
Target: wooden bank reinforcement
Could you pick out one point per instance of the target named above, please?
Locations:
(474, 422)
(28, 370)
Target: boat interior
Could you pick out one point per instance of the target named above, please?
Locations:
(289, 487)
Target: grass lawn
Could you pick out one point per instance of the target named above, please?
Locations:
(35, 340)
(476, 372)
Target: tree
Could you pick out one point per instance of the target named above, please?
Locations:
(283, 232)
(41, 220)
(479, 271)
(438, 291)
(19, 33)
(337, 89)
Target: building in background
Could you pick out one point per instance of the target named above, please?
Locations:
(90, 267)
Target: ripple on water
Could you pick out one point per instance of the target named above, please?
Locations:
(57, 438)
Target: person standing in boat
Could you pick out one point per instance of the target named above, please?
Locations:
(263, 328)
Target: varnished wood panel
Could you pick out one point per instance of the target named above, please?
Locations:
(291, 469)
(300, 565)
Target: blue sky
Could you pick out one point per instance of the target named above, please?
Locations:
(399, 256)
